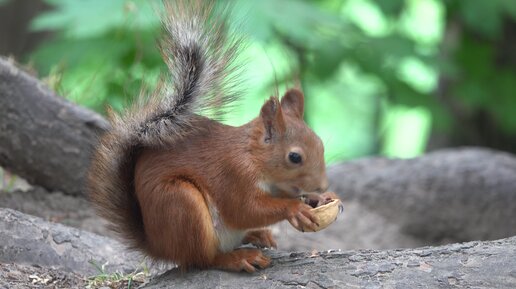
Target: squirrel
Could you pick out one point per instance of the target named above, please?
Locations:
(184, 188)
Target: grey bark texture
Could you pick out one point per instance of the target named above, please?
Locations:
(490, 264)
(25, 239)
(44, 138)
(470, 265)
(449, 195)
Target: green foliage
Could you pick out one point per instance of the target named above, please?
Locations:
(104, 50)
(358, 60)
(83, 19)
(484, 74)
(393, 7)
(485, 17)
(484, 86)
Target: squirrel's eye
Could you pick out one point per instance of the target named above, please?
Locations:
(295, 158)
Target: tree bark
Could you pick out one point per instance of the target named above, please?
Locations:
(44, 138)
(29, 240)
(469, 265)
(26, 239)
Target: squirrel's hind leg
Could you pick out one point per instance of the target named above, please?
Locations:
(178, 224)
(179, 228)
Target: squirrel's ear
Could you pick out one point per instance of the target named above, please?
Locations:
(293, 102)
(272, 117)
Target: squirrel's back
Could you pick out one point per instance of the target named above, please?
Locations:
(199, 55)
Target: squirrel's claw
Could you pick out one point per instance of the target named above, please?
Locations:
(303, 219)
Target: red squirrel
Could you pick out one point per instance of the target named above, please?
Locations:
(185, 188)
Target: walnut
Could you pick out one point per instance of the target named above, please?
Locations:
(325, 210)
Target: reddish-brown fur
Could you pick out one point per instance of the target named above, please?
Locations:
(223, 165)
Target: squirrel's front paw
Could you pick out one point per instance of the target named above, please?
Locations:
(301, 218)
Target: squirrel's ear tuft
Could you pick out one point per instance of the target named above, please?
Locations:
(272, 117)
(293, 103)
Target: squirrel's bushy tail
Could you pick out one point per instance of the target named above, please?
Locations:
(199, 55)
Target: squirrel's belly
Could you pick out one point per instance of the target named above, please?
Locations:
(228, 238)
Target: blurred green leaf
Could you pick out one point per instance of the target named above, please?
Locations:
(83, 19)
(391, 7)
(107, 69)
(510, 8)
(305, 22)
(483, 16)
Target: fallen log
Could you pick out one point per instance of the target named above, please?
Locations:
(468, 265)
(44, 138)
(451, 195)
(488, 264)
(25, 239)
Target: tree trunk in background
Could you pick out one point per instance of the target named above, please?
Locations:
(473, 126)
(16, 39)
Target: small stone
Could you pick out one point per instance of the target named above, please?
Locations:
(61, 237)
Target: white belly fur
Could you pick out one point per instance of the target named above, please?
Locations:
(229, 239)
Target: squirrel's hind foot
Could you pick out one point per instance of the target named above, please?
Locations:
(242, 260)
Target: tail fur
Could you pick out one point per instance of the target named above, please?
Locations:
(199, 54)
